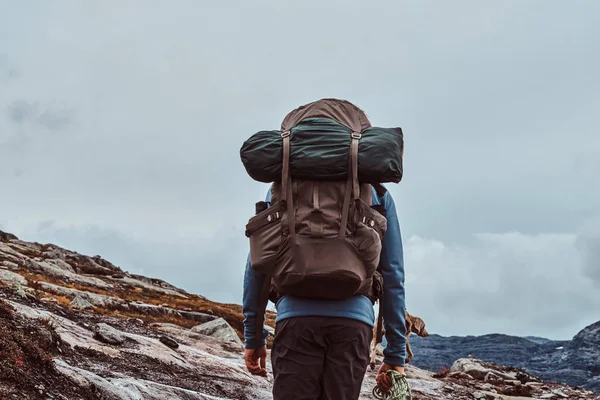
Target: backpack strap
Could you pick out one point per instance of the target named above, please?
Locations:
(379, 189)
(352, 185)
(288, 204)
(379, 331)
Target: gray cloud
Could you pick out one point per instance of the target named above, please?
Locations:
(589, 245)
(21, 112)
(7, 71)
(213, 271)
(498, 105)
(502, 283)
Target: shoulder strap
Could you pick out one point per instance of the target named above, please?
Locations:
(380, 189)
(379, 331)
(288, 203)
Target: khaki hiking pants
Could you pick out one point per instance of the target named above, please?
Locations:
(320, 358)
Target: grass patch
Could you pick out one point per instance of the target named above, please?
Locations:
(232, 313)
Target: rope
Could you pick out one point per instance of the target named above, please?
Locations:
(400, 388)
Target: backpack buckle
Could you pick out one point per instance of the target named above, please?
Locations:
(356, 135)
(285, 134)
(368, 221)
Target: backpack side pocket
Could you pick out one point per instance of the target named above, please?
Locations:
(265, 233)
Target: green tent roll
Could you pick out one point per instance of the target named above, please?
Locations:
(320, 150)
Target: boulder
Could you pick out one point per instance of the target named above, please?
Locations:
(107, 334)
(81, 303)
(477, 369)
(197, 316)
(218, 328)
(169, 342)
(12, 278)
(10, 265)
(7, 237)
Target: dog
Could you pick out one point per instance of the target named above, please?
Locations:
(414, 325)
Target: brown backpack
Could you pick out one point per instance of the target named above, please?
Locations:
(319, 239)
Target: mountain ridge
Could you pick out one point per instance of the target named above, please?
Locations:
(542, 357)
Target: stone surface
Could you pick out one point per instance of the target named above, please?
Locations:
(218, 328)
(9, 265)
(12, 278)
(107, 334)
(169, 342)
(81, 302)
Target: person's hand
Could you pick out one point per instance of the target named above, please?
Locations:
(383, 380)
(256, 361)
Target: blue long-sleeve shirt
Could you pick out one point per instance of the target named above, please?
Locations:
(357, 307)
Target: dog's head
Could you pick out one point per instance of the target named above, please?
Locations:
(415, 325)
(419, 327)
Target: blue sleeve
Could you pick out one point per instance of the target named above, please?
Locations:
(393, 300)
(253, 282)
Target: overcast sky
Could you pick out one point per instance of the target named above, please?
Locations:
(121, 124)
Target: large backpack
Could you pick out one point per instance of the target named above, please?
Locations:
(319, 238)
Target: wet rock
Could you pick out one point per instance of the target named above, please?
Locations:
(169, 342)
(107, 334)
(218, 328)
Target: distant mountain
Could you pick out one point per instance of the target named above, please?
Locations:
(538, 340)
(574, 362)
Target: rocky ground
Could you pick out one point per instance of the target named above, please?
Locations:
(78, 327)
(575, 362)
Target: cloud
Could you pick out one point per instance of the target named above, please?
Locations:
(207, 268)
(7, 71)
(135, 131)
(22, 112)
(589, 244)
(510, 283)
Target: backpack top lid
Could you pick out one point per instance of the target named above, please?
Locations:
(341, 111)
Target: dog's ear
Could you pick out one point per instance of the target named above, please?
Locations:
(409, 326)
(420, 327)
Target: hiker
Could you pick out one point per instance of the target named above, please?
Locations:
(322, 338)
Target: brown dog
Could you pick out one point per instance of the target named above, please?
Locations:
(413, 325)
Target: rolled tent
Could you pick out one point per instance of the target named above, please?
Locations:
(320, 150)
